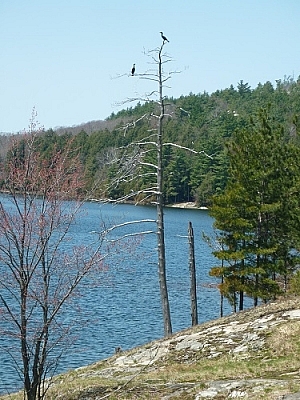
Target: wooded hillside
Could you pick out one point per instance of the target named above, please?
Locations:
(203, 122)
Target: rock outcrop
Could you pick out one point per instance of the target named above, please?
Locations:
(261, 346)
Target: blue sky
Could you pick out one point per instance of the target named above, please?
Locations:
(65, 57)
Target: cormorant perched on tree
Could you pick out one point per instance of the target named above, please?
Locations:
(133, 70)
(163, 37)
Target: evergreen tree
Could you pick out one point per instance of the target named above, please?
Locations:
(257, 210)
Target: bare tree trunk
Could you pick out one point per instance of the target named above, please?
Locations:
(132, 163)
(160, 213)
(222, 297)
(192, 267)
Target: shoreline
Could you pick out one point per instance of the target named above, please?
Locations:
(191, 205)
(187, 204)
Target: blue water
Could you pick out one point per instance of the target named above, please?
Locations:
(123, 308)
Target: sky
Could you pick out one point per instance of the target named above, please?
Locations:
(70, 60)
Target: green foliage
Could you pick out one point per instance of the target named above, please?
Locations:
(203, 122)
(258, 213)
(176, 177)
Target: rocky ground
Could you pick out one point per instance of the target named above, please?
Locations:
(254, 354)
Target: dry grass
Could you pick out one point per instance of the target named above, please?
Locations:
(285, 339)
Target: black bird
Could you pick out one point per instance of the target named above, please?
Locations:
(133, 70)
(163, 37)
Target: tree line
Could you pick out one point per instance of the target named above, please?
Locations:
(203, 122)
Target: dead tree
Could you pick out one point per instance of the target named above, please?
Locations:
(192, 268)
(159, 205)
(130, 163)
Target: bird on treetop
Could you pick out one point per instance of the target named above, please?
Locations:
(163, 37)
(133, 70)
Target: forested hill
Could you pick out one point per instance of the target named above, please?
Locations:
(203, 122)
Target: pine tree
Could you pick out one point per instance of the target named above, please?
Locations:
(256, 212)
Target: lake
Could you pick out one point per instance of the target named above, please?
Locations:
(124, 310)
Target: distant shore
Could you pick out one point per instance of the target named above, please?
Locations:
(187, 204)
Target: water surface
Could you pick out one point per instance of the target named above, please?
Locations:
(124, 309)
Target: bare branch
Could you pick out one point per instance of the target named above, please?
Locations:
(148, 164)
(132, 124)
(128, 235)
(105, 231)
(188, 149)
(186, 112)
(132, 194)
